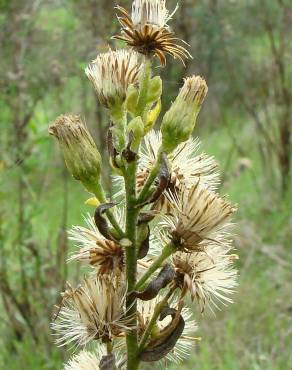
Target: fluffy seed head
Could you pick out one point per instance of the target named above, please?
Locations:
(197, 214)
(111, 74)
(147, 32)
(188, 166)
(86, 360)
(208, 276)
(92, 311)
(80, 153)
(150, 12)
(106, 256)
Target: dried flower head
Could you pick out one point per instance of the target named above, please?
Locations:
(80, 153)
(198, 214)
(188, 166)
(179, 121)
(111, 74)
(146, 30)
(104, 255)
(208, 276)
(186, 342)
(86, 360)
(92, 311)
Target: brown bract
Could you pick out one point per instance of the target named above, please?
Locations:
(150, 39)
(108, 256)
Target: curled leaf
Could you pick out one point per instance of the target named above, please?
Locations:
(145, 217)
(144, 246)
(155, 351)
(101, 222)
(165, 276)
(175, 314)
(108, 362)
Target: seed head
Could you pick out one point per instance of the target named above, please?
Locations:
(111, 74)
(93, 311)
(188, 166)
(86, 360)
(208, 275)
(197, 214)
(106, 256)
(146, 30)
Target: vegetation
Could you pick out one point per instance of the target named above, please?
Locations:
(242, 50)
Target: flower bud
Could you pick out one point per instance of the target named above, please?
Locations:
(155, 90)
(179, 121)
(152, 117)
(80, 153)
(132, 99)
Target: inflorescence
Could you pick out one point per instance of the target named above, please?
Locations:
(167, 235)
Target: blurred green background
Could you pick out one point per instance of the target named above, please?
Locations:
(244, 50)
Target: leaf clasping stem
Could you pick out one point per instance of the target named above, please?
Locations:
(167, 251)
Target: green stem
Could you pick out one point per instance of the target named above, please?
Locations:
(100, 195)
(131, 263)
(152, 176)
(154, 318)
(109, 349)
(167, 251)
(119, 117)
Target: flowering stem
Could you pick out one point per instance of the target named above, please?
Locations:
(167, 251)
(119, 117)
(131, 229)
(109, 349)
(131, 263)
(152, 176)
(154, 318)
(100, 195)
